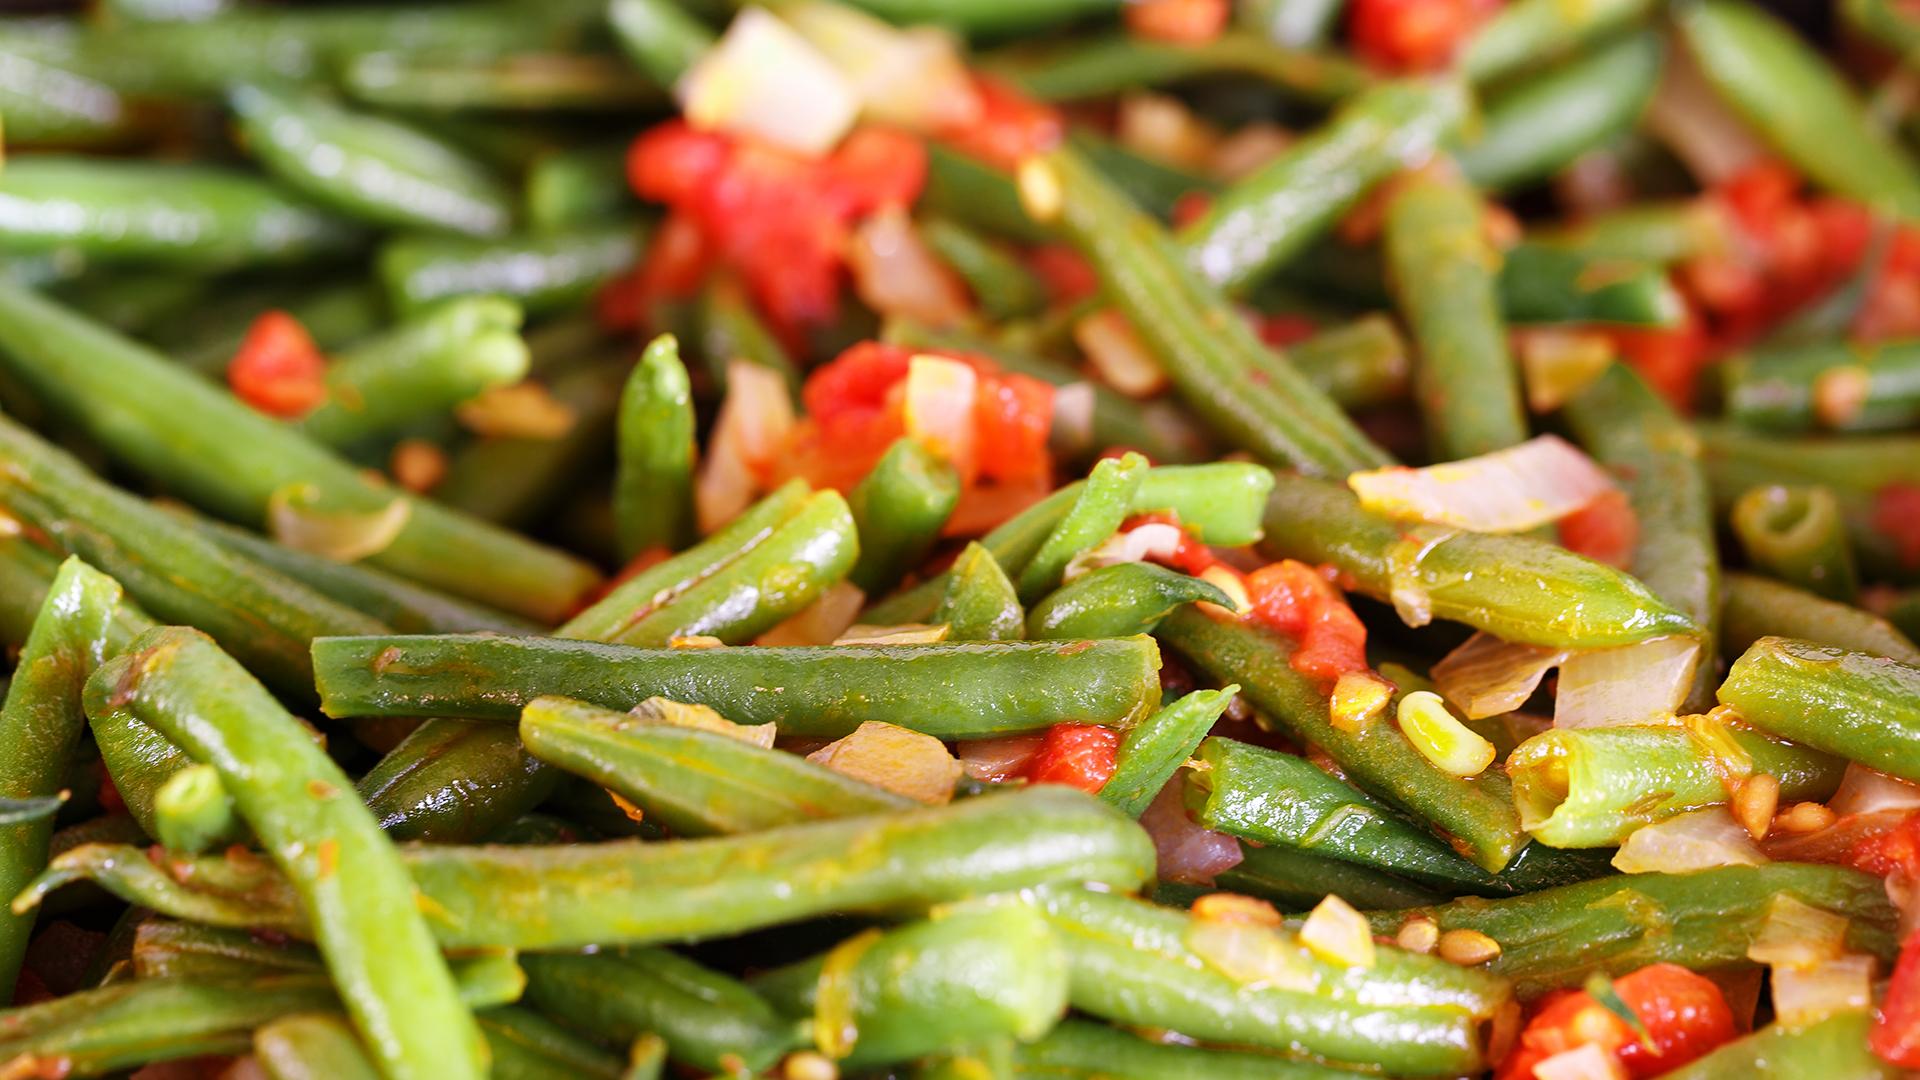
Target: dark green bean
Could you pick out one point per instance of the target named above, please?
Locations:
(1797, 534)
(1541, 283)
(659, 36)
(312, 1046)
(519, 83)
(1756, 607)
(453, 782)
(1541, 124)
(1296, 880)
(575, 187)
(1096, 67)
(979, 603)
(546, 271)
(1360, 364)
(1078, 1050)
(1156, 748)
(1000, 283)
(653, 489)
(899, 509)
(515, 481)
(1117, 601)
(1536, 32)
(528, 1046)
(1098, 510)
(1830, 386)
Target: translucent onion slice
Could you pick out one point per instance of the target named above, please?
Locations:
(1186, 852)
(1699, 840)
(341, 535)
(1118, 354)
(763, 79)
(1251, 955)
(659, 710)
(897, 275)
(1523, 487)
(903, 634)
(902, 761)
(1804, 995)
(940, 408)
(1633, 684)
(1338, 934)
(1486, 676)
(1154, 540)
(522, 410)
(1797, 934)
(1000, 759)
(754, 423)
(911, 78)
(1865, 791)
(1585, 1062)
(1558, 363)
(821, 622)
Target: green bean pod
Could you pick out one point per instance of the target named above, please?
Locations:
(367, 166)
(1513, 587)
(548, 271)
(1100, 66)
(1156, 748)
(653, 487)
(979, 603)
(730, 329)
(1271, 216)
(134, 1023)
(312, 1046)
(1097, 512)
(1475, 812)
(1531, 130)
(527, 83)
(1756, 607)
(1657, 232)
(55, 96)
(659, 36)
(1360, 364)
(349, 880)
(1294, 879)
(516, 480)
(708, 1020)
(1442, 269)
(1833, 386)
(1145, 966)
(527, 1046)
(1592, 787)
(1704, 920)
(1541, 283)
(1000, 283)
(1835, 1047)
(1797, 535)
(963, 690)
(454, 782)
(1117, 601)
(192, 811)
(898, 511)
(1535, 32)
(970, 973)
(1862, 707)
(1155, 185)
(696, 783)
(575, 187)
(968, 190)
(232, 460)
(1079, 1050)
(988, 18)
(41, 726)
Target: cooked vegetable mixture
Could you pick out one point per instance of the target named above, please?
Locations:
(959, 539)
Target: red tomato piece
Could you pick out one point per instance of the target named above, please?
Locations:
(1670, 359)
(1894, 851)
(1299, 601)
(1896, 1029)
(278, 369)
(1012, 416)
(1077, 755)
(1896, 515)
(1191, 557)
(1685, 1015)
(1282, 329)
(1605, 530)
(1409, 35)
(1182, 22)
(1067, 274)
(1008, 128)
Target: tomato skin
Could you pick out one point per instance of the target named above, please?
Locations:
(1684, 1013)
(1013, 416)
(278, 369)
(1077, 755)
(1605, 530)
(1409, 35)
(1066, 273)
(1191, 557)
(1896, 515)
(1299, 601)
(1895, 1036)
(1181, 22)
(1669, 358)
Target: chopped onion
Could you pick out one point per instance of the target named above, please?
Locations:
(1633, 684)
(1338, 934)
(1450, 745)
(821, 622)
(913, 78)
(1559, 363)
(1513, 490)
(1865, 791)
(1154, 540)
(763, 79)
(1249, 149)
(1187, 853)
(904, 634)
(1696, 125)
(522, 410)
(341, 535)
(939, 410)
(659, 710)
(1161, 127)
(1486, 676)
(1405, 588)
(1699, 840)
(1236, 908)
(998, 760)
(1585, 1062)
(897, 275)
(1358, 696)
(1797, 934)
(1229, 581)
(1118, 354)
(1072, 430)
(903, 761)
(1804, 995)
(753, 426)
(1835, 843)
(1250, 955)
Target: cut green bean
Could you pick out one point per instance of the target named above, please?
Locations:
(999, 282)
(546, 271)
(575, 187)
(1098, 66)
(528, 1046)
(653, 488)
(1830, 386)
(1296, 880)
(1756, 607)
(192, 811)
(899, 509)
(979, 602)
(1836, 1047)
(516, 480)
(312, 1046)
(534, 83)
(659, 36)
(1156, 748)
(1078, 1050)
(1361, 364)
(453, 782)
(1098, 509)
(1861, 707)
(1540, 125)
(1117, 601)
(1541, 283)
(1797, 535)
(1536, 32)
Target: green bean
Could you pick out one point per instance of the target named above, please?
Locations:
(1798, 104)
(971, 973)
(514, 480)
(1098, 510)
(1155, 748)
(1591, 787)
(367, 166)
(899, 509)
(134, 300)
(1831, 386)
(1002, 286)
(140, 761)
(965, 690)
(51, 94)
(1661, 233)
(192, 811)
(547, 271)
(1078, 1050)
(1704, 920)
(232, 460)
(1541, 283)
(1359, 364)
(979, 602)
(196, 216)
(972, 192)
(730, 329)
(1099, 66)
(1797, 534)
(1295, 880)
(1835, 1047)
(349, 881)
(1443, 270)
(535, 897)
(1271, 216)
(168, 566)
(517, 83)
(575, 187)
(1638, 437)
(1755, 607)
(653, 489)
(130, 1024)
(1157, 186)
(453, 782)
(659, 37)
(1117, 601)
(1862, 707)
(1145, 966)
(1883, 22)
(710, 1021)
(335, 314)
(1216, 363)
(1513, 587)
(696, 783)
(528, 1046)
(165, 949)
(1541, 124)
(1475, 812)
(312, 1046)
(1537, 32)
(41, 727)
(988, 17)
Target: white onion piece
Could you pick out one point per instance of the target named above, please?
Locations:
(1696, 125)
(659, 710)
(763, 79)
(903, 634)
(1559, 363)
(1251, 955)
(997, 760)
(1585, 1062)
(1486, 676)
(1865, 791)
(1804, 995)
(1072, 429)
(754, 423)
(1797, 934)
(902, 761)
(1187, 853)
(1633, 684)
(897, 275)
(912, 78)
(1338, 934)
(939, 409)
(1523, 487)
(521, 410)
(340, 535)
(1154, 540)
(1118, 354)
(1699, 840)
(1161, 127)
(821, 622)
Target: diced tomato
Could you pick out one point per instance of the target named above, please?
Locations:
(1283, 329)
(859, 380)
(1182, 22)
(1301, 602)
(278, 369)
(1684, 1013)
(1067, 274)
(1896, 1030)
(1009, 127)
(1012, 416)
(1605, 530)
(1191, 557)
(1077, 755)
(1190, 207)
(1889, 851)
(1670, 359)
(1410, 35)
(1896, 516)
